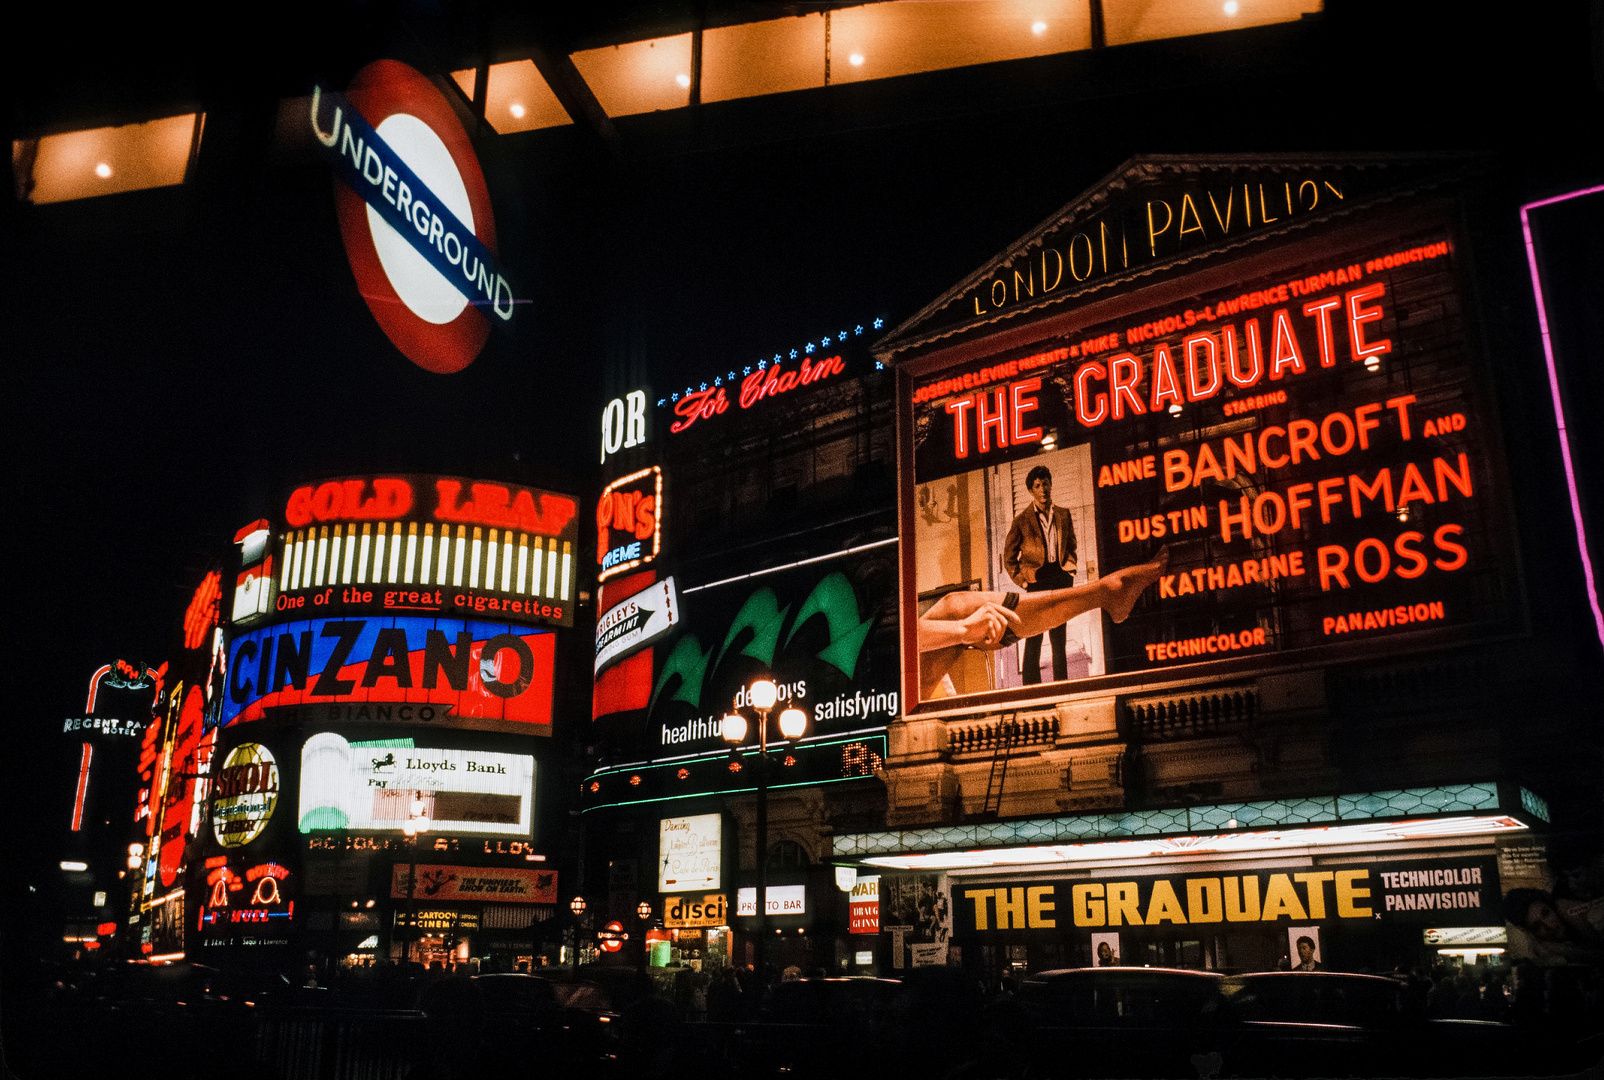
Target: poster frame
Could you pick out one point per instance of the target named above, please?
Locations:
(1265, 256)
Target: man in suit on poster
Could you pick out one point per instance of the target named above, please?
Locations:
(1039, 554)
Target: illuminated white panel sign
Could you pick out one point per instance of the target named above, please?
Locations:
(781, 900)
(690, 853)
(631, 625)
(623, 424)
(386, 784)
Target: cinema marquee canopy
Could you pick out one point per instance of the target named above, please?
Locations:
(1253, 386)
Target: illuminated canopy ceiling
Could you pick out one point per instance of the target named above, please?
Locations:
(1407, 815)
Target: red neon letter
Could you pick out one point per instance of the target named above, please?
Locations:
(1196, 388)
(1358, 315)
(1255, 370)
(1321, 311)
(985, 422)
(1124, 385)
(960, 426)
(1022, 405)
(1082, 395)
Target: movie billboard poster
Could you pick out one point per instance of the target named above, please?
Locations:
(1105, 950)
(825, 632)
(1291, 451)
(1015, 499)
(1303, 948)
(916, 915)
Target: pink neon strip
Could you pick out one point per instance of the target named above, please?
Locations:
(1559, 408)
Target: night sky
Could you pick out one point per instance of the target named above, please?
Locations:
(175, 357)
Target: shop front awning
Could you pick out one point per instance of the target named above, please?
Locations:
(1406, 815)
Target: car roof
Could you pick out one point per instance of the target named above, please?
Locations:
(1345, 976)
(1124, 972)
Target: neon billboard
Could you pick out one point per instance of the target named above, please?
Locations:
(452, 672)
(383, 784)
(1296, 455)
(441, 544)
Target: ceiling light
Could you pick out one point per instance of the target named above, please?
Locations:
(1038, 28)
(103, 171)
(856, 59)
(684, 81)
(1230, 7)
(517, 111)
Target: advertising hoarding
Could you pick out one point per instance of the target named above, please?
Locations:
(624, 423)
(1297, 455)
(422, 544)
(238, 894)
(1449, 892)
(450, 672)
(514, 885)
(688, 912)
(825, 631)
(636, 622)
(629, 522)
(864, 905)
(690, 852)
(779, 900)
(373, 785)
(244, 794)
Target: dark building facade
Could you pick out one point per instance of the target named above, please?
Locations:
(777, 559)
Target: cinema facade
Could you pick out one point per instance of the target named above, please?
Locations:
(1292, 681)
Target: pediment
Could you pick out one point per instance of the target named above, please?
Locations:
(1155, 213)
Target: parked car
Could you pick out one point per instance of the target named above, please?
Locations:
(1107, 1022)
(810, 1028)
(1297, 1023)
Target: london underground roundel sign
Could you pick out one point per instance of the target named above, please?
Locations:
(415, 214)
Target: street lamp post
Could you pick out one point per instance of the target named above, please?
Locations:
(793, 722)
(644, 911)
(577, 906)
(417, 823)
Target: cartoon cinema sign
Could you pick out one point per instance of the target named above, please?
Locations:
(415, 214)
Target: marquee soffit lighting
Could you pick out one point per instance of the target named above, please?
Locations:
(1268, 815)
(1238, 843)
(106, 160)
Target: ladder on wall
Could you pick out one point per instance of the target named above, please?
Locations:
(1008, 734)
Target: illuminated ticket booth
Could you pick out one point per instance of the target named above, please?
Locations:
(1348, 886)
